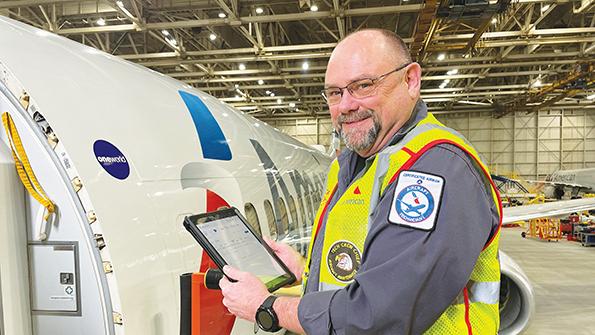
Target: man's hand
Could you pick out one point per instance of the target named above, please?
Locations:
(294, 261)
(243, 297)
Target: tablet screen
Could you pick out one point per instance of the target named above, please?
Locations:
(239, 247)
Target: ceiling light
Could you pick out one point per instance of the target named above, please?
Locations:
(474, 103)
(172, 41)
(222, 15)
(212, 37)
(453, 71)
(165, 32)
(591, 97)
(544, 8)
(441, 56)
(259, 10)
(305, 66)
(537, 83)
(267, 92)
(279, 101)
(242, 66)
(292, 104)
(100, 22)
(447, 81)
(494, 21)
(236, 86)
(272, 94)
(260, 81)
(314, 8)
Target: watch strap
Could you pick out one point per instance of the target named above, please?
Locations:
(269, 301)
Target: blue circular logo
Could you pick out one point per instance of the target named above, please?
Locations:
(111, 159)
(414, 203)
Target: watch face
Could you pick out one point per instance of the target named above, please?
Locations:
(265, 320)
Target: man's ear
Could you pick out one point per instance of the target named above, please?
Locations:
(413, 80)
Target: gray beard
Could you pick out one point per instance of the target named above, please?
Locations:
(354, 140)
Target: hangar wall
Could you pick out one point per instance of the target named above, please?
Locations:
(310, 130)
(530, 146)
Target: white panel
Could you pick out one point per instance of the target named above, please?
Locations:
(54, 278)
(550, 144)
(548, 120)
(572, 144)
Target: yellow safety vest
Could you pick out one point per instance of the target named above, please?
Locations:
(476, 308)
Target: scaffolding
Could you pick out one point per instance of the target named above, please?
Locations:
(544, 229)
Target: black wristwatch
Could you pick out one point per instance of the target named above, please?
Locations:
(266, 318)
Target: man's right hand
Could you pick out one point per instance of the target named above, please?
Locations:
(294, 261)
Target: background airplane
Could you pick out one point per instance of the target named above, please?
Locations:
(125, 153)
(561, 182)
(569, 184)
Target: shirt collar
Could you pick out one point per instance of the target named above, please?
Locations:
(420, 111)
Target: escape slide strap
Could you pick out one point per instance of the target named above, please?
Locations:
(24, 169)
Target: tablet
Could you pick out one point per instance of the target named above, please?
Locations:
(229, 240)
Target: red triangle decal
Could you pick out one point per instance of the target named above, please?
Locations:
(357, 191)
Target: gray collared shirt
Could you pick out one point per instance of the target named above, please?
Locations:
(407, 277)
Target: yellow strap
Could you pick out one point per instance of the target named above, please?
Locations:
(23, 166)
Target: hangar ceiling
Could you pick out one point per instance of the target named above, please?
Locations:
(268, 58)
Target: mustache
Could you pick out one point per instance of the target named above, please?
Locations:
(354, 116)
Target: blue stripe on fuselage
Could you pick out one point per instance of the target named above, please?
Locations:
(213, 142)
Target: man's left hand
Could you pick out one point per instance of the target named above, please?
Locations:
(243, 297)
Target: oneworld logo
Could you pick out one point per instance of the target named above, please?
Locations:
(111, 159)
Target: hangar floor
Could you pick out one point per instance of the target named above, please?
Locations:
(563, 278)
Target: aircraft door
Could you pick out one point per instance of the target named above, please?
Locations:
(88, 305)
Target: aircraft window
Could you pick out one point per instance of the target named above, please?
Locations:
(294, 215)
(252, 217)
(284, 217)
(302, 212)
(268, 209)
(309, 202)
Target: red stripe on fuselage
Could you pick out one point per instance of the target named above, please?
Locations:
(215, 319)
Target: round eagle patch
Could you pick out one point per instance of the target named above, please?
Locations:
(343, 260)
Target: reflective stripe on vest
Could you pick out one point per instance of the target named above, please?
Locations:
(476, 308)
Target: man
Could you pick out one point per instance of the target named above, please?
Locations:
(406, 237)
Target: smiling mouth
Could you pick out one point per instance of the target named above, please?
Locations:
(355, 121)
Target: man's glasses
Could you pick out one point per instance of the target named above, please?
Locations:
(358, 89)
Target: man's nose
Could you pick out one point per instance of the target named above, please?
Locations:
(347, 103)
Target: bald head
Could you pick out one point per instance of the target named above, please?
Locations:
(372, 40)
